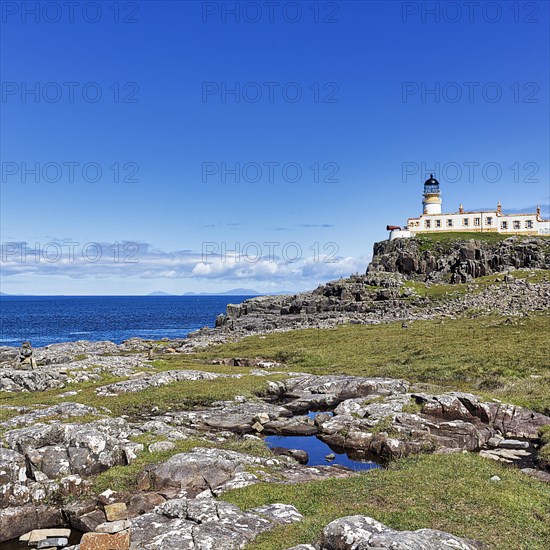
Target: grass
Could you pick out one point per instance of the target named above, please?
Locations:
(544, 452)
(452, 236)
(51, 397)
(177, 396)
(444, 291)
(187, 395)
(445, 239)
(125, 478)
(448, 492)
(412, 407)
(488, 356)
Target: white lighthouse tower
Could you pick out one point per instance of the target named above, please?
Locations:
(432, 197)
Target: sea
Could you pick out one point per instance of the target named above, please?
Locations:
(45, 320)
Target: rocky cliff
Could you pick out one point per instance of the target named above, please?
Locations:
(458, 261)
(408, 279)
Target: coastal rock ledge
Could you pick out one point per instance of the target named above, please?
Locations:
(396, 287)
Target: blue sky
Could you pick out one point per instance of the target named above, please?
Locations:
(390, 91)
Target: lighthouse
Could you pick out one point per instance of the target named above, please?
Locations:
(431, 203)
(433, 220)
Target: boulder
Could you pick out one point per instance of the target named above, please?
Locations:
(102, 541)
(297, 454)
(197, 524)
(117, 511)
(297, 425)
(235, 416)
(112, 527)
(362, 532)
(84, 516)
(161, 446)
(48, 461)
(190, 470)
(141, 503)
(308, 393)
(155, 381)
(18, 520)
(16, 380)
(83, 449)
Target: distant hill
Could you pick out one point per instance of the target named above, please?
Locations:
(232, 292)
(239, 292)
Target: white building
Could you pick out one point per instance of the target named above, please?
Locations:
(495, 221)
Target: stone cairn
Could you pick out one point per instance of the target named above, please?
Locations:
(113, 534)
(26, 359)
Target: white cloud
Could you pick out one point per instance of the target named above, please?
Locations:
(141, 261)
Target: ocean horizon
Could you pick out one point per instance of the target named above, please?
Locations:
(45, 320)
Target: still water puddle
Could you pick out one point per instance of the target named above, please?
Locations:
(318, 450)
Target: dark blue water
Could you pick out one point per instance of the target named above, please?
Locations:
(317, 451)
(46, 320)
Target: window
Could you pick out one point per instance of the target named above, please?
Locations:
(516, 224)
(489, 220)
(529, 224)
(504, 225)
(477, 221)
(428, 224)
(450, 222)
(465, 222)
(438, 223)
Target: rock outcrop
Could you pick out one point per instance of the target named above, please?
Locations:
(211, 472)
(458, 261)
(200, 524)
(382, 418)
(47, 455)
(46, 461)
(16, 521)
(155, 381)
(385, 292)
(376, 417)
(29, 380)
(362, 532)
(57, 365)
